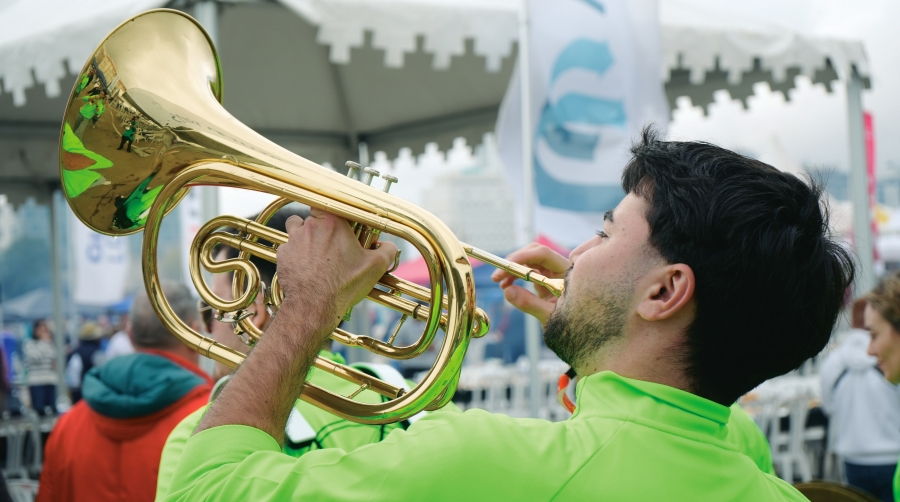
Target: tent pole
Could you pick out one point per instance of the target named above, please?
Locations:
(207, 14)
(532, 328)
(57, 227)
(859, 187)
(353, 143)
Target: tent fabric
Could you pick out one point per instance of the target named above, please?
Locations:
(39, 36)
(699, 49)
(31, 306)
(700, 31)
(68, 32)
(396, 24)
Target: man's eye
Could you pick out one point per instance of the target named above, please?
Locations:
(601, 234)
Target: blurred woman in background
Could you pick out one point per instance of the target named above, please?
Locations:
(882, 319)
(40, 365)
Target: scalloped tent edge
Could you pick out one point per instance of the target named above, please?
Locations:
(697, 60)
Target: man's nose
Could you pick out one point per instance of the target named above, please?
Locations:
(580, 250)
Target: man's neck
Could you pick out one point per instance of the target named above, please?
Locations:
(644, 357)
(181, 352)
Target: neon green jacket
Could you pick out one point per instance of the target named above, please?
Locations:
(897, 483)
(629, 440)
(745, 434)
(88, 110)
(330, 431)
(85, 80)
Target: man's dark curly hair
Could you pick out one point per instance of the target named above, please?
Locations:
(770, 283)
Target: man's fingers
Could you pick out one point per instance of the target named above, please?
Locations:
(507, 281)
(385, 254)
(536, 256)
(500, 274)
(527, 302)
(315, 212)
(293, 224)
(540, 256)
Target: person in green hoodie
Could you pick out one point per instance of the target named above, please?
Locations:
(107, 447)
(128, 134)
(101, 107)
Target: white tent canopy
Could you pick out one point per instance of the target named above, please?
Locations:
(67, 33)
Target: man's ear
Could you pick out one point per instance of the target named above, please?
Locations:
(669, 289)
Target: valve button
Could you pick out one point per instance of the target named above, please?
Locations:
(388, 181)
(353, 168)
(370, 173)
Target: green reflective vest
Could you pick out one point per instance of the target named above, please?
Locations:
(89, 109)
(629, 440)
(325, 430)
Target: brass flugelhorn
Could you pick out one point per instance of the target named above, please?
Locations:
(154, 85)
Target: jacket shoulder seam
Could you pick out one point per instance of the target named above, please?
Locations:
(587, 460)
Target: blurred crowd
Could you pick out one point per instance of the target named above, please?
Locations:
(29, 377)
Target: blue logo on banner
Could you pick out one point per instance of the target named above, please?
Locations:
(595, 4)
(576, 108)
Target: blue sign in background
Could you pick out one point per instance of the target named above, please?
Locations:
(577, 108)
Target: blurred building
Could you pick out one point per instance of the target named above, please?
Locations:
(34, 220)
(8, 227)
(888, 187)
(473, 197)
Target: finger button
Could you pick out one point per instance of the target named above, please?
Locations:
(369, 175)
(352, 169)
(388, 181)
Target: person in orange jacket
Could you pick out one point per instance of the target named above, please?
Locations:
(108, 446)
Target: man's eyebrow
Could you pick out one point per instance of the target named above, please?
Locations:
(608, 216)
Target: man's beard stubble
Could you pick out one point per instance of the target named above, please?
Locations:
(575, 334)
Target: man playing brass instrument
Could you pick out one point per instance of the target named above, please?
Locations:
(711, 276)
(309, 428)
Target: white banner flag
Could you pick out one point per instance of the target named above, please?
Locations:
(191, 220)
(101, 265)
(595, 82)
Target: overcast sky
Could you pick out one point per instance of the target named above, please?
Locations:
(812, 127)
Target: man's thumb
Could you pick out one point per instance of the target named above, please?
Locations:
(528, 302)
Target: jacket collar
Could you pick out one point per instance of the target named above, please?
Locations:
(180, 361)
(608, 394)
